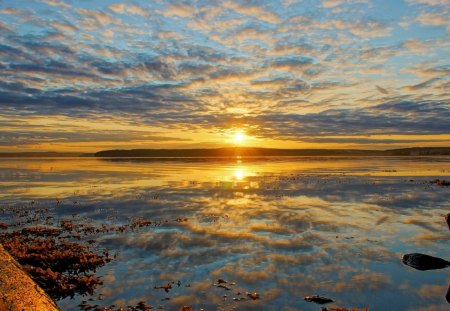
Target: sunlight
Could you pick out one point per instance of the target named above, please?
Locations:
(239, 137)
(239, 173)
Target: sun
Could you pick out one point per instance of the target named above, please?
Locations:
(239, 137)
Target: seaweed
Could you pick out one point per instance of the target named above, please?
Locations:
(60, 267)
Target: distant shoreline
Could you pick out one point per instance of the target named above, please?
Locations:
(233, 152)
(45, 155)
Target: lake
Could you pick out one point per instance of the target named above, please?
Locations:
(283, 228)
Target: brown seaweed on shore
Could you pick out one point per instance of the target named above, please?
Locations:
(341, 309)
(166, 287)
(41, 231)
(61, 268)
(141, 306)
(253, 296)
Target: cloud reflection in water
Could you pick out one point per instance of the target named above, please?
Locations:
(284, 229)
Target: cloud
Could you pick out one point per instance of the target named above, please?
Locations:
(370, 29)
(250, 33)
(422, 85)
(433, 19)
(439, 70)
(12, 11)
(335, 3)
(388, 118)
(432, 291)
(416, 46)
(381, 90)
(290, 62)
(429, 2)
(122, 8)
(255, 11)
(364, 282)
(57, 3)
(77, 135)
(64, 27)
(283, 71)
(5, 27)
(93, 18)
(180, 9)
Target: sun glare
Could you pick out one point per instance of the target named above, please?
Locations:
(239, 174)
(239, 137)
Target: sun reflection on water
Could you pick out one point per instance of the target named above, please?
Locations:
(239, 173)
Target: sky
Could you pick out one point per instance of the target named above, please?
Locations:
(94, 75)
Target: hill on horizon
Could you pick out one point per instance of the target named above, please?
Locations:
(261, 152)
(227, 152)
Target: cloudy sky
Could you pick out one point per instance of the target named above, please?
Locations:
(92, 75)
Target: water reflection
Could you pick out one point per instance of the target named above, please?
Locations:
(239, 173)
(282, 228)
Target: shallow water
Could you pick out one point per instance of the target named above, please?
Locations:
(284, 228)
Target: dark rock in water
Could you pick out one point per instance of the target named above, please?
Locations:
(424, 262)
(318, 299)
(447, 219)
(447, 296)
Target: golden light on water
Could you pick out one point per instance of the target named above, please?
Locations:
(239, 173)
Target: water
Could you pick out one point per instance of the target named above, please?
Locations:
(284, 228)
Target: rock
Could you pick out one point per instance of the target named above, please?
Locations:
(318, 299)
(424, 262)
(447, 219)
(447, 296)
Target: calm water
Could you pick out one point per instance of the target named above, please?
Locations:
(284, 228)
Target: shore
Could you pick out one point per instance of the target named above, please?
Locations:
(17, 290)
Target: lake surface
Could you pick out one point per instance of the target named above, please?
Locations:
(284, 228)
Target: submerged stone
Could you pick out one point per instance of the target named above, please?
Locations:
(424, 262)
(318, 299)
